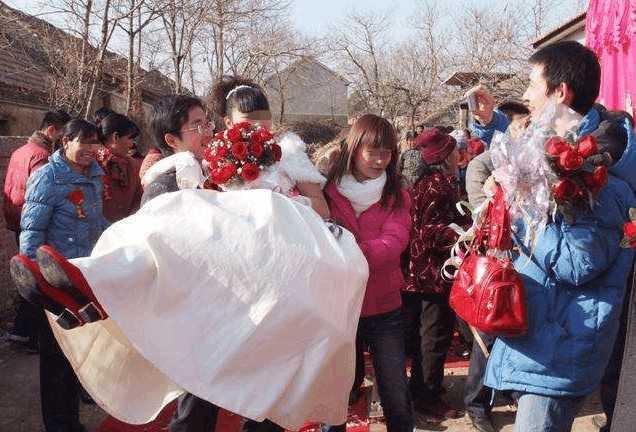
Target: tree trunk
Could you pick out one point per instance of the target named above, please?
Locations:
(99, 65)
(130, 76)
(85, 47)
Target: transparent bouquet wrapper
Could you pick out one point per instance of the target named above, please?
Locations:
(245, 299)
(521, 167)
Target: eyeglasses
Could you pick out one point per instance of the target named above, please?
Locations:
(202, 129)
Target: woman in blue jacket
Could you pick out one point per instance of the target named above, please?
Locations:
(63, 208)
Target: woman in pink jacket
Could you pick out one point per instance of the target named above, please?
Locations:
(365, 197)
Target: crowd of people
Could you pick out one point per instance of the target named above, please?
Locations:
(74, 178)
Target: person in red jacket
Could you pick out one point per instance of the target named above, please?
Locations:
(122, 185)
(24, 161)
(430, 320)
(365, 197)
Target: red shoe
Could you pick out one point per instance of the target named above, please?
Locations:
(34, 289)
(60, 273)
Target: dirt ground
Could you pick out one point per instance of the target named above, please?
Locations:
(20, 405)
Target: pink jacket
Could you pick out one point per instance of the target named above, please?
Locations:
(382, 234)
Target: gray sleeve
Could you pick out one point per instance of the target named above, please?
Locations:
(166, 182)
(478, 171)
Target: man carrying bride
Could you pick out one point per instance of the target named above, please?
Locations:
(241, 299)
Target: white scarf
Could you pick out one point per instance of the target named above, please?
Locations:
(362, 195)
(188, 170)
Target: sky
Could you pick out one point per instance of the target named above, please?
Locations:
(313, 17)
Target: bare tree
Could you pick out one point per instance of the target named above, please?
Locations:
(360, 46)
(182, 20)
(239, 34)
(138, 16)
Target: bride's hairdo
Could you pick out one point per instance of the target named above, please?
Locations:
(238, 93)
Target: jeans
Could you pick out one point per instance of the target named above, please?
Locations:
(536, 413)
(59, 387)
(476, 395)
(430, 322)
(384, 335)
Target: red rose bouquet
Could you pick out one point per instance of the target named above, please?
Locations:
(239, 154)
(549, 169)
(579, 172)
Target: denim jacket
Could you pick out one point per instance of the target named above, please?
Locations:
(50, 216)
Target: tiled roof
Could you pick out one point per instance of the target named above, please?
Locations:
(25, 62)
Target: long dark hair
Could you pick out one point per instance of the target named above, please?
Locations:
(244, 95)
(375, 132)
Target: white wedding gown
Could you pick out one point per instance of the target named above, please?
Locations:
(245, 299)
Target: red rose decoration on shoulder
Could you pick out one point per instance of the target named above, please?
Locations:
(587, 147)
(580, 175)
(570, 160)
(555, 146)
(77, 199)
(629, 231)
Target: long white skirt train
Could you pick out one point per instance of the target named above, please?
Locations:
(245, 299)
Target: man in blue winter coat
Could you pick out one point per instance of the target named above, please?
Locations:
(576, 274)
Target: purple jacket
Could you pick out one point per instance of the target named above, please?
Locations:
(382, 234)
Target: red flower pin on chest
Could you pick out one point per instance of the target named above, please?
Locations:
(77, 198)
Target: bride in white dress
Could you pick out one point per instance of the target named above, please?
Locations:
(243, 298)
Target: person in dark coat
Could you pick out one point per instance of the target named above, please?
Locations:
(429, 316)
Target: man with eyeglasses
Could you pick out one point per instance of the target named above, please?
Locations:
(179, 124)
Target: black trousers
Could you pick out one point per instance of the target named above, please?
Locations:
(197, 415)
(429, 333)
(59, 387)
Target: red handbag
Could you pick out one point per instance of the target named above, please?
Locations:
(487, 291)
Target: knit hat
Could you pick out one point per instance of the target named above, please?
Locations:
(435, 146)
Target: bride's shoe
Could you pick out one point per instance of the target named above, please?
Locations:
(60, 273)
(36, 290)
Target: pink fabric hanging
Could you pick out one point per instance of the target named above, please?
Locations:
(610, 30)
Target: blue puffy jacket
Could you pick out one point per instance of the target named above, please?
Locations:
(49, 217)
(575, 281)
(499, 122)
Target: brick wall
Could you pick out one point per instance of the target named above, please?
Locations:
(8, 246)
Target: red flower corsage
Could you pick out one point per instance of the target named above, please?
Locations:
(580, 173)
(77, 198)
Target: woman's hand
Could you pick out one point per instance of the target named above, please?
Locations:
(313, 191)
